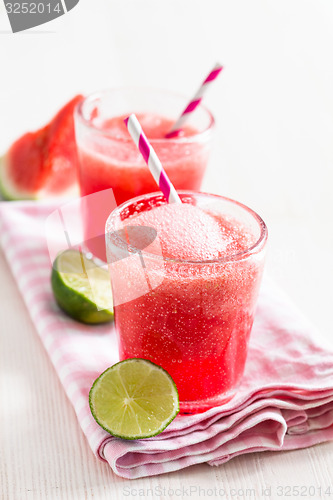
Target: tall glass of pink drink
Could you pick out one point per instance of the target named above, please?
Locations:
(202, 272)
(109, 158)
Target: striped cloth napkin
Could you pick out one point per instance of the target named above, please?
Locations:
(285, 400)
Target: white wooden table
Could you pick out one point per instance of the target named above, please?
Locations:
(273, 151)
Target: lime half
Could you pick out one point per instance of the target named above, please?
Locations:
(81, 288)
(134, 399)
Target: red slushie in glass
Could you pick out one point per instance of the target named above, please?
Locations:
(202, 272)
(109, 158)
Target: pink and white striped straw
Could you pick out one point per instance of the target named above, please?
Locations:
(195, 101)
(151, 158)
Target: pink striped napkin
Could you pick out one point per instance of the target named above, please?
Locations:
(285, 400)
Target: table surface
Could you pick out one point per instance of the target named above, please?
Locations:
(273, 151)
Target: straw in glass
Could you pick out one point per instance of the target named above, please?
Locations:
(195, 101)
(151, 158)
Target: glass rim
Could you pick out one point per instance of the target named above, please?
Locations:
(78, 114)
(251, 250)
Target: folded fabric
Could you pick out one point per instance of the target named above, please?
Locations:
(285, 400)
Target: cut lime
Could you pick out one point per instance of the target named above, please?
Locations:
(134, 399)
(81, 288)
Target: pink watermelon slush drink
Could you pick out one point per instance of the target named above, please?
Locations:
(203, 272)
(108, 158)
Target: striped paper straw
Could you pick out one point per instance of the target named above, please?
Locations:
(151, 158)
(195, 101)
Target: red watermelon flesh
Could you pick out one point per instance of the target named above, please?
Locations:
(25, 161)
(43, 163)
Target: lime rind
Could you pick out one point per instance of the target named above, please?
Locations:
(142, 418)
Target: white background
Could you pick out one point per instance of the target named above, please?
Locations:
(273, 105)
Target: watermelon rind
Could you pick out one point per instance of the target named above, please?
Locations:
(10, 192)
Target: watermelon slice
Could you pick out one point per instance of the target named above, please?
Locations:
(43, 164)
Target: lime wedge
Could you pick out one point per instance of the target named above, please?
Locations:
(134, 399)
(81, 288)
